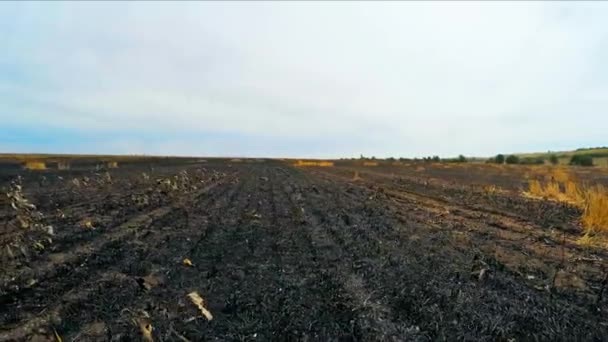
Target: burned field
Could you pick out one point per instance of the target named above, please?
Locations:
(277, 252)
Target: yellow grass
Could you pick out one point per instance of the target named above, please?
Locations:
(593, 200)
(552, 190)
(574, 193)
(491, 189)
(112, 164)
(368, 163)
(595, 216)
(535, 188)
(560, 174)
(313, 163)
(34, 165)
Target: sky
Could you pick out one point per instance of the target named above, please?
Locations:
(303, 79)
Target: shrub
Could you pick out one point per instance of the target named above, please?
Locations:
(532, 161)
(581, 160)
(436, 159)
(553, 159)
(512, 159)
(499, 159)
(462, 159)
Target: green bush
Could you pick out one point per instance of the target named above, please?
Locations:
(499, 159)
(553, 159)
(512, 159)
(532, 161)
(581, 160)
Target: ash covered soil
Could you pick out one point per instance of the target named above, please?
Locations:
(284, 253)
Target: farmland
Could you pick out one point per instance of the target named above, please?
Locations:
(307, 251)
(599, 154)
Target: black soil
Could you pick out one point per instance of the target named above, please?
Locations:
(280, 253)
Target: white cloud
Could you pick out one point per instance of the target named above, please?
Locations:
(381, 78)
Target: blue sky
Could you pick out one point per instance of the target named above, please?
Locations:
(306, 79)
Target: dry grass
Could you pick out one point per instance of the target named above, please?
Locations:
(593, 200)
(560, 185)
(314, 163)
(559, 174)
(568, 192)
(200, 304)
(492, 189)
(34, 165)
(595, 216)
(574, 193)
(368, 163)
(553, 190)
(63, 166)
(535, 189)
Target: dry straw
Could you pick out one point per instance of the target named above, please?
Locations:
(562, 186)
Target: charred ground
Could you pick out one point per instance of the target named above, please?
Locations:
(284, 253)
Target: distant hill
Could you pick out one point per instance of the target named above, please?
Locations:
(595, 152)
(599, 154)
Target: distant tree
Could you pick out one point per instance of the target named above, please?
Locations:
(390, 159)
(373, 158)
(436, 159)
(512, 159)
(462, 159)
(582, 160)
(532, 161)
(499, 159)
(553, 159)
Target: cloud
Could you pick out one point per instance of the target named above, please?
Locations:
(314, 79)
